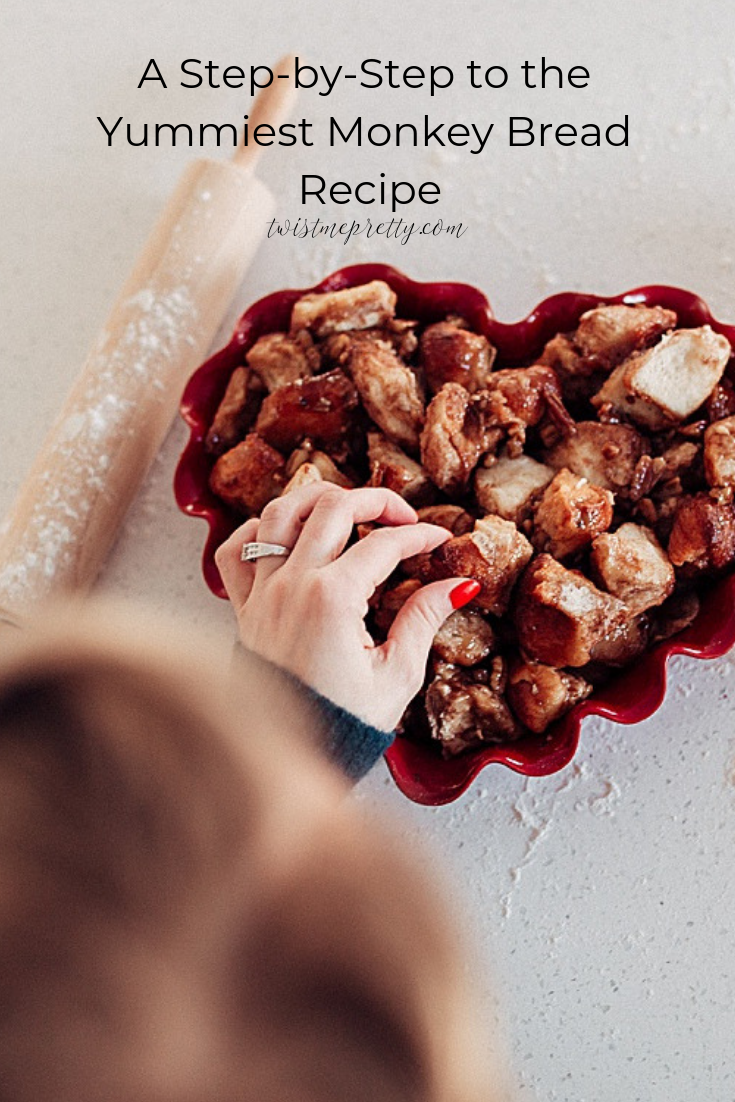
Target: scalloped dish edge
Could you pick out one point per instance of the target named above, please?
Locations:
(630, 697)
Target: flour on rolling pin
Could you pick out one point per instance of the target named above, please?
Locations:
(127, 371)
(95, 457)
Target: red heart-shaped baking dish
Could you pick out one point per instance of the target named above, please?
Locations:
(631, 696)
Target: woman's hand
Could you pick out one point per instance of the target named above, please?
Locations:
(306, 612)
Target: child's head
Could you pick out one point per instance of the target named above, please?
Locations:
(189, 907)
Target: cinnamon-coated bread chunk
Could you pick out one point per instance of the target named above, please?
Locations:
(606, 455)
(389, 390)
(518, 399)
(508, 487)
(453, 517)
(364, 307)
(391, 600)
(398, 333)
(249, 475)
(606, 336)
(667, 383)
(719, 457)
(494, 554)
(561, 617)
(449, 354)
(539, 695)
(279, 359)
(236, 412)
(467, 708)
(465, 638)
(570, 514)
(392, 468)
(454, 437)
(632, 565)
(703, 535)
(321, 408)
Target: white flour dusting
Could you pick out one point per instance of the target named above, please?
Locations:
(101, 417)
(541, 804)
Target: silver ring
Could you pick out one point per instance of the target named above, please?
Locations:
(252, 551)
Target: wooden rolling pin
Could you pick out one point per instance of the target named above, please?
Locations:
(69, 509)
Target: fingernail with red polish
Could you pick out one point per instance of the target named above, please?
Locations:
(463, 593)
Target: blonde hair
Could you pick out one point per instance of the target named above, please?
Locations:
(189, 907)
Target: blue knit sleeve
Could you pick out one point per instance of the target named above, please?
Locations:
(351, 744)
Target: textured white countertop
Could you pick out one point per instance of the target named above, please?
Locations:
(600, 898)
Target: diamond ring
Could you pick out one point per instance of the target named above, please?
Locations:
(252, 551)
